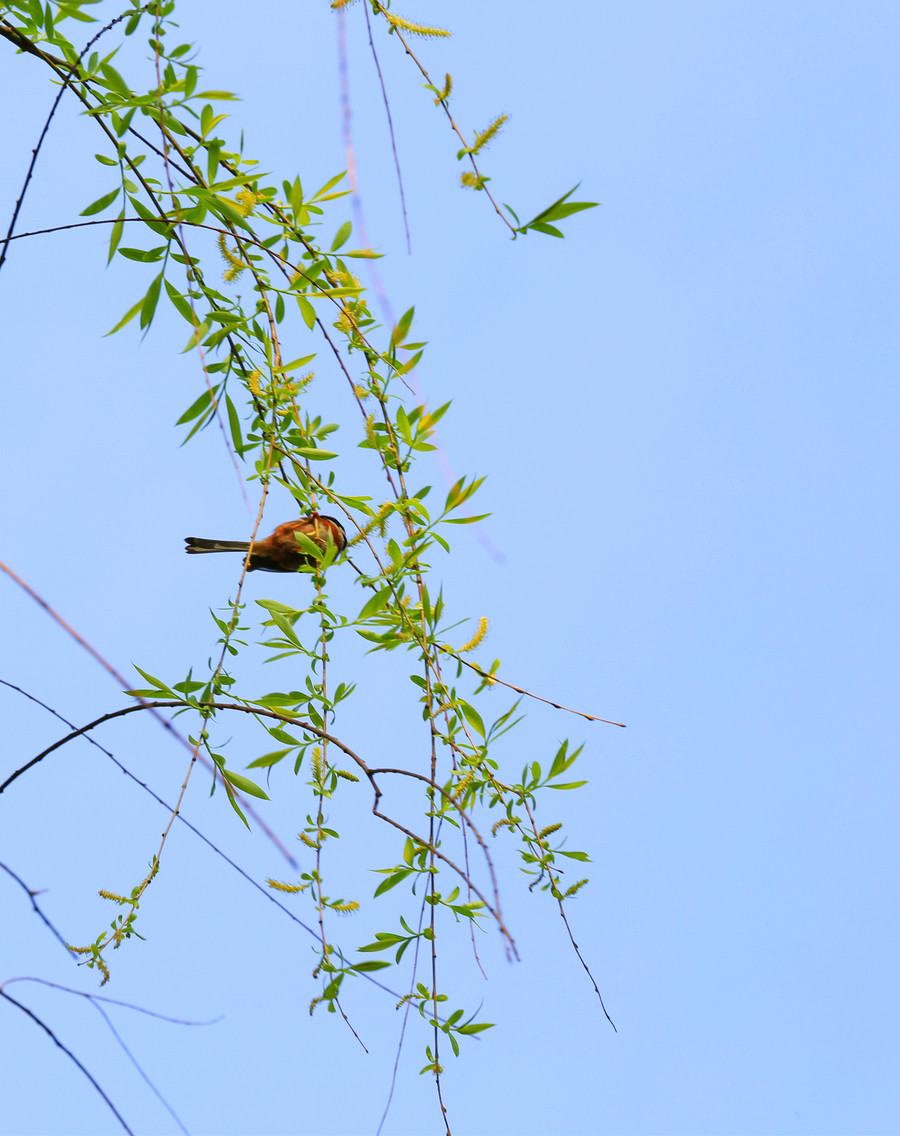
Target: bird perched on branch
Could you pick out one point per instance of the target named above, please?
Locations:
(279, 552)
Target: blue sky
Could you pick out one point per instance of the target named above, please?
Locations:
(685, 413)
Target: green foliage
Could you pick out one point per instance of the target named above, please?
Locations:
(300, 294)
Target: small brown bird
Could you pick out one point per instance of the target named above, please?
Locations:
(279, 552)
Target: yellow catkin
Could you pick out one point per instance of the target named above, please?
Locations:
(236, 265)
(246, 201)
(370, 431)
(444, 94)
(486, 136)
(345, 908)
(477, 638)
(379, 521)
(462, 787)
(279, 886)
(413, 29)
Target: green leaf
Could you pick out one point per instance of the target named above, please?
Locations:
(401, 331)
(307, 311)
(188, 686)
(145, 256)
(149, 302)
(385, 942)
(369, 964)
(313, 454)
(328, 184)
(114, 81)
(392, 881)
(340, 237)
(283, 736)
(244, 784)
(196, 408)
(568, 785)
(234, 803)
(293, 366)
(274, 605)
(286, 629)
(560, 208)
(180, 304)
(269, 759)
(100, 204)
(543, 227)
(472, 717)
(116, 235)
(375, 604)
(234, 424)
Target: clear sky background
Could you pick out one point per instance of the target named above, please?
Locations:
(687, 415)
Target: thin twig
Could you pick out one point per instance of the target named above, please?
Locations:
(31, 894)
(446, 111)
(491, 678)
(163, 721)
(37, 149)
(308, 727)
(196, 831)
(68, 1052)
(387, 110)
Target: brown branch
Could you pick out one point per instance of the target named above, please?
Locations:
(69, 1054)
(446, 111)
(518, 689)
(21, 41)
(585, 965)
(163, 721)
(387, 110)
(35, 907)
(307, 727)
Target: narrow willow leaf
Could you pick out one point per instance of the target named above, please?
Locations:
(340, 237)
(180, 303)
(129, 315)
(100, 204)
(116, 235)
(244, 784)
(307, 311)
(472, 717)
(148, 304)
(376, 603)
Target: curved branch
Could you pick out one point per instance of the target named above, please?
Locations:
(307, 727)
(69, 1054)
(527, 693)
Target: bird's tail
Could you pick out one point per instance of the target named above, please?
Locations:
(201, 544)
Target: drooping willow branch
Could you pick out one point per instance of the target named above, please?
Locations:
(308, 727)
